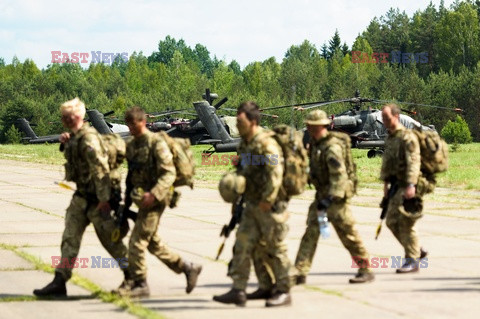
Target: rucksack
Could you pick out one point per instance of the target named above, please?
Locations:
(433, 151)
(295, 155)
(182, 159)
(350, 165)
(115, 148)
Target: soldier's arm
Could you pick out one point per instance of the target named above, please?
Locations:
(165, 170)
(412, 158)
(384, 173)
(97, 161)
(273, 172)
(336, 171)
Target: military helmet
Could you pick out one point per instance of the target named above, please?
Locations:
(317, 117)
(231, 186)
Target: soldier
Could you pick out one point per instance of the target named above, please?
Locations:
(153, 173)
(263, 223)
(87, 165)
(328, 172)
(401, 165)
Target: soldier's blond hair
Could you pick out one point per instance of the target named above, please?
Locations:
(75, 106)
(394, 109)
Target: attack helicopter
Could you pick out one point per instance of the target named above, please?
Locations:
(364, 126)
(96, 118)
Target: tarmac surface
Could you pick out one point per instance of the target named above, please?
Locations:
(32, 210)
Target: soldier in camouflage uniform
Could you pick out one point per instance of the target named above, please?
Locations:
(334, 191)
(87, 165)
(152, 176)
(263, 222)
(401, 165)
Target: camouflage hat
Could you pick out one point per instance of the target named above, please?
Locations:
(231, 185)
(317, 117)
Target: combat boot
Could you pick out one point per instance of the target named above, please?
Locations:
(423, 253)
(139, 289)
(235, 296)
(191, 271)
(410, 266)
(361, 278)
(125, 286)
(260, 294)
(56, 288)
(279, 299)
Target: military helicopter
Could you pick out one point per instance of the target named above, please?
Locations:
(365, 127)
(96, 118)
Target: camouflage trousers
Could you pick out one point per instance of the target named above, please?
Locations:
(402, 223)
(261, 235)
(144, 236)
(77, 219)
(340, 216)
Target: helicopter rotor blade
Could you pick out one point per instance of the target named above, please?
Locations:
(321, 104)
(220, 103)
(108, 113)
(456, 110)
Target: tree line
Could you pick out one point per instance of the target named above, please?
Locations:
(176, 75)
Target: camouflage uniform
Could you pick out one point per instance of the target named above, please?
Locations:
(401, 161)
(152, 169)
(261, 234)
(329, 175)
(87, 165)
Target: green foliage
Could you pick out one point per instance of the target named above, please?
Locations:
(13, 136)
(457, 132)
(176, 74)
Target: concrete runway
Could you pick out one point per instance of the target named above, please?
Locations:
(32, 211)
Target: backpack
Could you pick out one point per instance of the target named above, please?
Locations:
(115, 148)
(295, 159)
(350, 165)
(182, 159)
(433, 151)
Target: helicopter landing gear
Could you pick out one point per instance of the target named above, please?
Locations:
(372, 153)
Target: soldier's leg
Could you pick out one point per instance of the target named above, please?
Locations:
(145, 227)
(402, 226)
(158, 248)
(262, 270)
(274, 230)
(247, 238)
(340, 215)
(76, 222)
(308, 244)
(104, 227)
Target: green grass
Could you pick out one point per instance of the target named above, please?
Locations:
(462, 174)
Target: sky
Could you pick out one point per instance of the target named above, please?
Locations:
(245, 31)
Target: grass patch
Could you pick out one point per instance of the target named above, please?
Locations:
(462, 173)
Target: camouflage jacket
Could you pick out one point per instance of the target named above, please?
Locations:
(401, 158)
(327, 168)
(261, 162)
(87, 163)
(150, 163)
